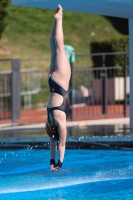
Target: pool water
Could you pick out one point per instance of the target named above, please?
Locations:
(86, 174)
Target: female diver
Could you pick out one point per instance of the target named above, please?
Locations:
(58, 80)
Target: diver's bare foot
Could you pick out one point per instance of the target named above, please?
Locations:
(58, 14)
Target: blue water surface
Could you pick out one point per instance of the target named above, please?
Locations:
(86, 174)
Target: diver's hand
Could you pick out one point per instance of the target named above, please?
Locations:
(58, 165)
(52, 167)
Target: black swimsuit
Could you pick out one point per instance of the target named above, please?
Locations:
(54, 87)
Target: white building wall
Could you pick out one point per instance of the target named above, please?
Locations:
(119, 87)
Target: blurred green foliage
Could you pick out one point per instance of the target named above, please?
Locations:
(27, 33)
(3, 14)
(28, 30)
(114, 45)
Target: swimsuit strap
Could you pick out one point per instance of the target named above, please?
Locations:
(63, 107)
(55, 87)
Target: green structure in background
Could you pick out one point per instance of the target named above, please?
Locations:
(70, 51)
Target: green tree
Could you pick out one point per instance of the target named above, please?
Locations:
(3, 14)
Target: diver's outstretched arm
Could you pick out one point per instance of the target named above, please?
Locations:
(53, 147)
(62, 140)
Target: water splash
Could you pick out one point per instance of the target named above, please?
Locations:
(46, 184)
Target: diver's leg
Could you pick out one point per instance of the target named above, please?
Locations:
(53, 49)
(63, 71)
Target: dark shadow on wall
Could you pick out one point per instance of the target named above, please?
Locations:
(120, 24)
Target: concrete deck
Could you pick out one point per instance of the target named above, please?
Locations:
(119, 121)
(89, 134)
